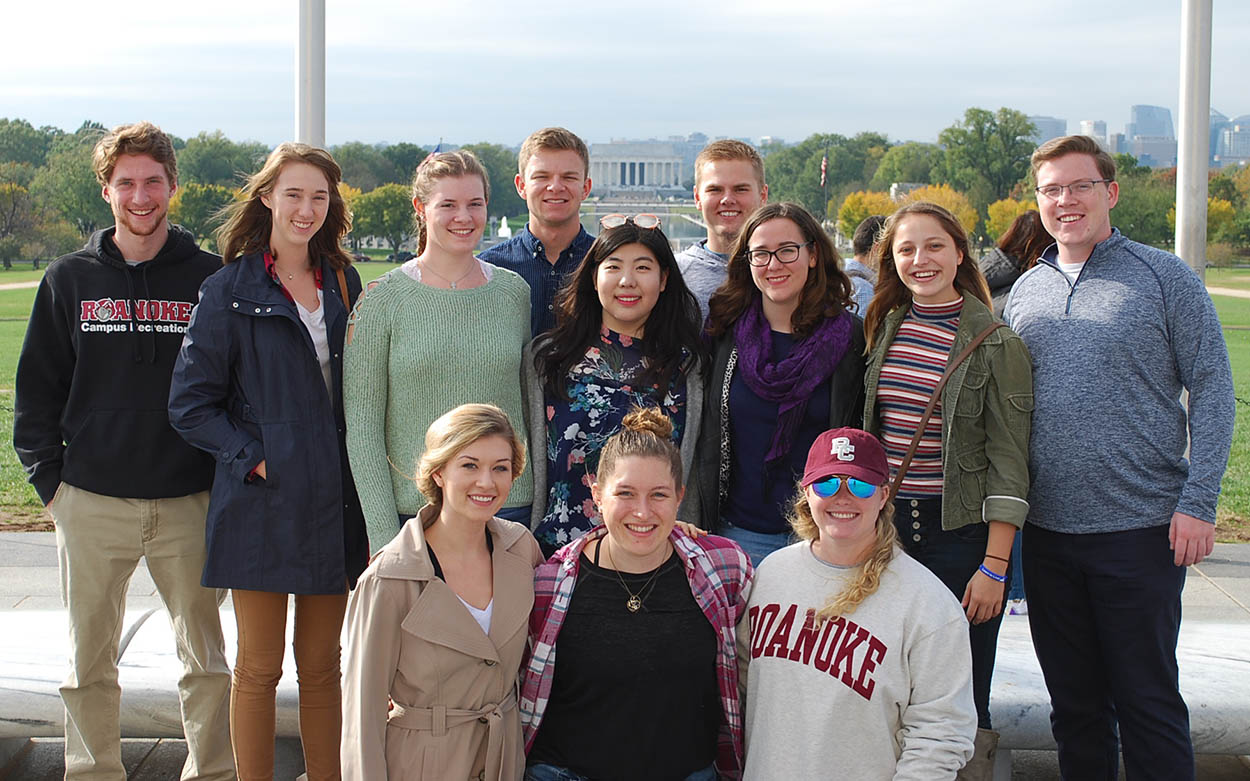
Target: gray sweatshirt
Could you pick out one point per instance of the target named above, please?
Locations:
(703, 271)
(864, 283)
(1111, 355)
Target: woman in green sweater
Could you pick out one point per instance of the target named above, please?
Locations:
(443, 329)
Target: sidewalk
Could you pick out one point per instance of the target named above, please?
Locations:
(1215, 671)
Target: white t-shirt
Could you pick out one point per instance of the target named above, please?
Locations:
(482, 617)
(1071, 270)
(315, 322)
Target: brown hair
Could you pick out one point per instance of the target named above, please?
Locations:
(456, 430)
(870, 570)
(552, 138)
(443, 165)
(1073, 145)
(645, 432)
(825, 294)
(891, 293)
(729, 149)
(1025, 240)
(140, 138)
(249, 222)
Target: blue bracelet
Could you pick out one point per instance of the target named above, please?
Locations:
(992, 575)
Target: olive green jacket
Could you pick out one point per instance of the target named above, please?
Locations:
(985, 442)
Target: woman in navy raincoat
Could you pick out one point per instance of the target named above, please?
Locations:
(258, 384)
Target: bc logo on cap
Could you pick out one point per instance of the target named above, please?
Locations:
(842, 448)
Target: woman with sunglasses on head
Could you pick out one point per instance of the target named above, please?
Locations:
(443, 329)
(439, 622)
(964, 482)
(787, 364)
(627, 335)
(257, 384)
(855, 659)
(632, 672)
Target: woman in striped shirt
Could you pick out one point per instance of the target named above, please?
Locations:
(963, 496)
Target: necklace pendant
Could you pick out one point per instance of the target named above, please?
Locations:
(633, 604)
(453, 285)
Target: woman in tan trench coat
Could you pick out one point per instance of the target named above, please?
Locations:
(438, 622)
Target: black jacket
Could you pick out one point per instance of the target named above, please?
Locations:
(93, 376)
(248, 387)
(712, 454)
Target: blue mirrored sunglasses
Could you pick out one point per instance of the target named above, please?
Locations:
(830, 485)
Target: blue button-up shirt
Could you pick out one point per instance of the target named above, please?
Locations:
(524, 254)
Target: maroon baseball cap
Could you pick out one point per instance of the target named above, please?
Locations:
(847, 451)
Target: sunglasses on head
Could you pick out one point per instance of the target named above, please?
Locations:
(645, 221)
(830, 485)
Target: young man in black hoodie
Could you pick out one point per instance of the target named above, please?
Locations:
(92, 430)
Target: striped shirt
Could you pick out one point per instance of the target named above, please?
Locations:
(720, 577)
(910, 372)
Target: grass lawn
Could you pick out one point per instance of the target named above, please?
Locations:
(18, 501)
(1229, 277)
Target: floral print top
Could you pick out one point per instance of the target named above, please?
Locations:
(601, 390)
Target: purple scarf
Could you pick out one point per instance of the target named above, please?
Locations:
(791, 381)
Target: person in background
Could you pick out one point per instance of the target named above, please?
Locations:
(848, 636)
(961, 498)
(553, 177)
(443, 329)
(858, 268)
(1017, 251)
(627, 337)
(91, 429)
(788, 363)
(1117, 331)
(258, 384)
(438, 624)
(728, 187)
(632, 632)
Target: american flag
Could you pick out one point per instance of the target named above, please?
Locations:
(824, 167)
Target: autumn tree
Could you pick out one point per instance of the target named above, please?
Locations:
(501, 170)
(67, 186)
(949, 198)
(987, 153)
(197, 207)
(911, 162)
(386, 212)
(1001, 214)
(859, 206)
(793, 173)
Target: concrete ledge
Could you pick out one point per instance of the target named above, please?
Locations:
(1214, 660)
(1215, 681)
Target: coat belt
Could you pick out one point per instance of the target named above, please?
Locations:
(439, 718)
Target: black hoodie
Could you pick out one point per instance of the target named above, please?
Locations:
(93, 377)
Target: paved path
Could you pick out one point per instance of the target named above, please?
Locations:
(1228, 291)
(19, 285)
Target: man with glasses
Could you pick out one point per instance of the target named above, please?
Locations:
(553, 176)
(1117, 330)
(728, 186)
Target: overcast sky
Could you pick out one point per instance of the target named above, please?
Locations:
(493, 70)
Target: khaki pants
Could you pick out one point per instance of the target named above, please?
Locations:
(99, 540)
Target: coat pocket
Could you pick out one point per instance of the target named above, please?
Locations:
(973, 468)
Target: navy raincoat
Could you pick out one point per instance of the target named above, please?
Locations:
(247, 386)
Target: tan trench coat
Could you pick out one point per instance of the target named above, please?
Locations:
(453, 687)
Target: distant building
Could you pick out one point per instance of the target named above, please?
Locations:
(637, 167)
(1218, 124)
(1234, 145)
(1095, 129)
(1117, 144)
(1048, 128)
(1154, 151)
(1154, 121)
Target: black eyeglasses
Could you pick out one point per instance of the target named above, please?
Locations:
(786, 253)
(644, 221)
(1083, 187)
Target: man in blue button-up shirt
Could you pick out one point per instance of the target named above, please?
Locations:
(554, 179)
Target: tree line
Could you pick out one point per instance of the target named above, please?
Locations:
(979, 169)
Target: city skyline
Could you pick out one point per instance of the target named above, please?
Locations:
(731, 69)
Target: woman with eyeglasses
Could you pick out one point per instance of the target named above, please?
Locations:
(632, 671)
(626, 335)
(787, 364)
(855, 659)
(443, 329)
(963, 494)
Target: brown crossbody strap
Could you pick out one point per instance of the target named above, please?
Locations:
(338, 272)
(933, 400)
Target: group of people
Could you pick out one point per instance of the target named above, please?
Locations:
(754, 495)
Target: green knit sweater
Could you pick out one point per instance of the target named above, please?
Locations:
(417, 352)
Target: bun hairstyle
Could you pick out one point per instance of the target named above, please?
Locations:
(645, 432)
(455, 431)
(442, 166)
(870, 570)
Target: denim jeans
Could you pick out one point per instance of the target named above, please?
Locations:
(757, 545)
(1016, 583)
(954, 556)
(544, 772)
(1105, 613)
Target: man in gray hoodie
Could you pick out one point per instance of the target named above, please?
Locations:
(728, 186)
(1117, 330)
